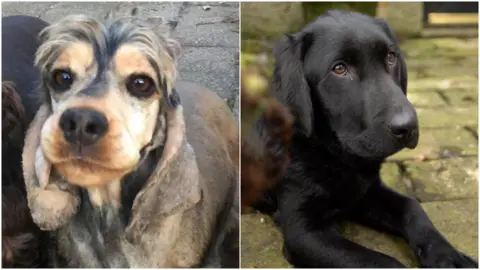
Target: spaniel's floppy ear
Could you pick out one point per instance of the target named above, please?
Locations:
(51, 200)
(401, 72)
(289, 83)
(174, 185)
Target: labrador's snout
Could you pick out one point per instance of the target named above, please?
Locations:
(403, 125)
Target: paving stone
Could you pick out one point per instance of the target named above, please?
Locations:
(392, 177)
(62, 9)
(456, 82)
(447, 117)
(167, 10)
(225, 4)
(32, 9)
(426, 99)
(261, 243)
(430, 48)
(443, 70)
(456, 220)
(447, 179)
(440, 143)
(466, 98)
(216, 68)
(200, 64)
(52, 11)
(381, 242)
(454, 64)
(217, 26)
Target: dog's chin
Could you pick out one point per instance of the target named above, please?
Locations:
(374, 150)
(90, 168)
(84, 173)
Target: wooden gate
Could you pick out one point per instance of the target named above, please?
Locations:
(450, 14)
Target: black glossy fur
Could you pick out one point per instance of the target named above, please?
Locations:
(343, 133)
(23, 244)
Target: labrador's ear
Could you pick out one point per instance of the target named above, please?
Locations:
(289, 83)
(401, 70)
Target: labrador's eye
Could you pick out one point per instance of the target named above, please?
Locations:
(62, 79)
(391, 58)
(340, 69)
(140, 86)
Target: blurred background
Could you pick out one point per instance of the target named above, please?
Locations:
(440, 43)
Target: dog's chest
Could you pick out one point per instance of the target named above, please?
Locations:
(328, 182)
(94, 238)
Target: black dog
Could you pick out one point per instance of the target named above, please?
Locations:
(345, 80)
(23, 244)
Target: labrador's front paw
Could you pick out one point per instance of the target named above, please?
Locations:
(444, 256)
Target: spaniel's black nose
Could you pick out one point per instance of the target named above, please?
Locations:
(83, 126)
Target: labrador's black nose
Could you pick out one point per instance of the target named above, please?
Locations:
(83, 126)
(404, 126)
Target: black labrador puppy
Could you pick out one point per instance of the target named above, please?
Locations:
(345, 80)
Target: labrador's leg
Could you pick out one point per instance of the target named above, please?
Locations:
(309, 244)
(387, 210)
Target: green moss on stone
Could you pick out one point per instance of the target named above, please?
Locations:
(261, 243)
(447, 116)
(440, 143)
(424, 99)
(391, 176)
(381, 242)
(456, 220)
(447, 179)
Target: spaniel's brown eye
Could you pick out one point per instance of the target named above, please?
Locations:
(62, 79)
(391, 58)
(140, 86)
(340, 69)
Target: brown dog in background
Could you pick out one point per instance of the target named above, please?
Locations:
(266, 132)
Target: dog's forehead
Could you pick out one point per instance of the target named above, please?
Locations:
(104, 38)
(346, 27)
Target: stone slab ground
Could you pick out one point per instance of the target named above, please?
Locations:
(208, 32)
(441, 172)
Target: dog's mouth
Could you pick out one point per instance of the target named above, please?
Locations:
(81, 152)
(81, 167)
(93, 156)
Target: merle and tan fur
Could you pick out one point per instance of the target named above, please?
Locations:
(152, 193)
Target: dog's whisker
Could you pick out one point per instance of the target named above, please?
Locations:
(324, 79)
(350, 76)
